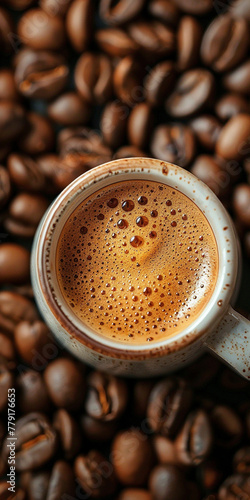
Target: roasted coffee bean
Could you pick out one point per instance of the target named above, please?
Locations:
(7, 31)
(188, 43)
(120, 13)
(230, 105)
(5, 186)
(194, 441)
(12, 121)
(159, 82)
(39, 137)
(6, 382)
(174, 143)
(34, 343)
(32, 392)
(69, 432)
(192, 93)
(13, 309)
(212, 171)
(36, 442)
(225, 43)
(210, 475)
(241, 461)
(236, 487)
(227, 426)
(7, 352)
(62, 482)
(238, 79)
(19, 4)
(154, 38)
(113, 123)
(233, 141)
(194, 7)
(64, 171)
(165, 450)
(240, 8)
(95, 474)
(65, 383)
(79, 24)
(134, 494)
(116, 42)
(69, 110)
(167, 481)
(93, 77)
(55, 7)
(14, 264)
(36, 484)
(140, 125)
(40, 31)
(25, 173)
(106, 396)
(142, 390)
(8, 90)
(82, 147)
(132, 457)
(128, 76)
(24, 214)
(40, 74)
(129, 152)
(168, 404)
(5, 492)
(98, 431)
(164, 10)
(206, 129)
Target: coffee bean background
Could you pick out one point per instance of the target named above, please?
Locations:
(83, 82)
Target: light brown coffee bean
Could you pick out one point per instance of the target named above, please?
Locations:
(33, 340)
(113, 123)
(233, 141)
(212, 171)
(140, 125)
(174, 143)
(79, 24)
(188, 43)
(40, 74)
(241, 203)
(230, 105)
(12, 121)
(93, 77)
(127, 79)
(5, 186)
(120, 13)
(40, 31)
(116, 42)
(206, 129)
(192, 93)
(25, 173)
(165, 11)
(194, 7)
(160, 82)
(14, 264)
(238, 79)
(24, 214)
(55, 7)
(69, 109)
(165, 450)
(13, 309)
(39, 137)
(65, 383)
(225, 43)
(154, 38)
(8, 89)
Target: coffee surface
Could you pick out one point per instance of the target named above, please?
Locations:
(137, 261)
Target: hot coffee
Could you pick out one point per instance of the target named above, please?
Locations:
(137, 261)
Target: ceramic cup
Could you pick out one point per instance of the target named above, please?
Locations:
(218, 329)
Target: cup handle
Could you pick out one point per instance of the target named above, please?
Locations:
(230, 341)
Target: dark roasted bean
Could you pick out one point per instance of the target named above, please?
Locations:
(40, 31)
(39, 136)
(113, 123)
(174, 143)
(34, 343)
(128, 81)
(116, 42)
(120, 13)
(194, 7)
(167, 481)
(7, 31)
(69, 432)
(13, 309)
(95, 474)
(98, 431)
(230, 105)
(232, 143)
(25, 173)
(154, 38)
(8, 88)
(93, 77)
(235, 487)
(12, 121)
(69, 110)
(79, 24)
(24, 214)
(5, 186)
(159, 82)
(106, 396)
(164, 10)
(140, 125)
(14, 264)
(188, 43)
(65, 383)
(32, 392)
(129, 152)
(194, 441)
(206, 129)
(55, 7)
(238, 79)
(227, 426)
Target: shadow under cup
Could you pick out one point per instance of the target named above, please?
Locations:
(100, 351)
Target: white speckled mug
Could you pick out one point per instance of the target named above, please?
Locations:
(218, 329)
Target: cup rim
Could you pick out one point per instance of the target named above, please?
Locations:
(200, 194)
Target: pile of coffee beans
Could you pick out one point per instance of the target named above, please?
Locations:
(83, 82)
